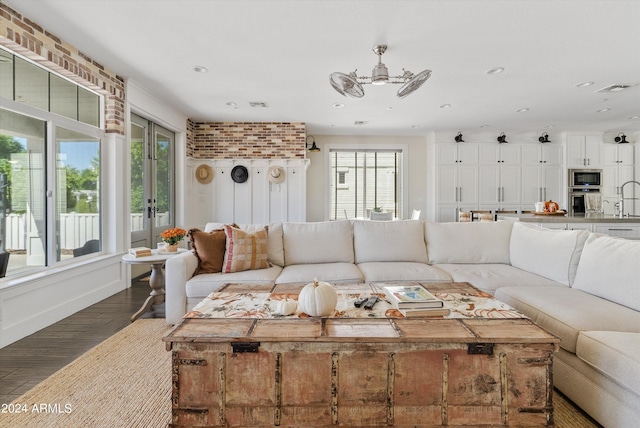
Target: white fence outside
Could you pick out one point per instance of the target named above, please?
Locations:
(75, 229)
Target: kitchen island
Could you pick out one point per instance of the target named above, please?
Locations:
(627, 227)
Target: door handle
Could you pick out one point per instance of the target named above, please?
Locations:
(149, 209)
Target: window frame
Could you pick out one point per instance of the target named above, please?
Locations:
(348, 146)
(52, 121)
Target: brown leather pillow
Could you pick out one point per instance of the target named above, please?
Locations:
(209, 247)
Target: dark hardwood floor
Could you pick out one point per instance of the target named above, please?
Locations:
(25, 363)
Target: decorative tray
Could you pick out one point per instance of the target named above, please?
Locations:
(555, 213)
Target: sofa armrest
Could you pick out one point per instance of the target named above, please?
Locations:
(178, 270)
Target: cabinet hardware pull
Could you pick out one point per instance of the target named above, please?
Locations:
(620, 230)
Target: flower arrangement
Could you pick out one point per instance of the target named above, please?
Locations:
(173, 236)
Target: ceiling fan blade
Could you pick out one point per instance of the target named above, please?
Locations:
(346, 85)
(414, 83)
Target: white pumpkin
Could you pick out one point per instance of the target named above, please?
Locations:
(286, 306)
(318, 299)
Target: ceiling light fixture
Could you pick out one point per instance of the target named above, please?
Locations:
(495, 70)
(200, 69)
(544, 138)
(634, 117)
(313, 147)
(458, 138)
(350, 85)
(338, 105)
(602, 110)
(502, 138)
(445, 106)
(621, 138)
(522, 110)
(583, 84)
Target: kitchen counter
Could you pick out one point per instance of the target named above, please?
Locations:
(586, 218)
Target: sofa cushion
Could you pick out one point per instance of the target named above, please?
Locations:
(276, 246)
(610, 268)
(389, 241)
(553, 254)
(346, 273)
(402, 271)
(488, 277)
(613, 353)
(244, 250)
(200, 286)
(209, 247)
(476, 242)
(566, 312)
(318, 242)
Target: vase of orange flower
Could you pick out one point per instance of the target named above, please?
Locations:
(172, 238)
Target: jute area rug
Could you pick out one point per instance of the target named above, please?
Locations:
(126, 382)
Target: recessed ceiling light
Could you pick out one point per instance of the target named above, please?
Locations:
(389, 108)
(522, 110)
(495, 70)
(200, 69)
(602, 110)
(338, 105)
(415, 126)
(583, 84)
(484, 126)
(445, 106)
(634, 117)
(550, 126)
(231, 104)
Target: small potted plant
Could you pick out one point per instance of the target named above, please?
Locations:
(172, 238)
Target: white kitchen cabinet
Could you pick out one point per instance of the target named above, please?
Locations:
(457, 154)
(617, 154)
(584, 151)
(541, 154)
(618, 168)
(456, 179)
(542, 183)
(499, 185)
(622, 230)
(499, 154)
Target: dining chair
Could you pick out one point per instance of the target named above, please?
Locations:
(415, 215)
(381, 216)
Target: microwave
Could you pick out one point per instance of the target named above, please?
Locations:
(585, 177)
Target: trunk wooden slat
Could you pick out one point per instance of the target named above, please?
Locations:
(314, 372)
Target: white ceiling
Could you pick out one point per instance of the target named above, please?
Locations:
(282, 52)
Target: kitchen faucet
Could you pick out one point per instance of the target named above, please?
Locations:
(622, 198)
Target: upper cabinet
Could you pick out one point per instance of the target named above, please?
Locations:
(617, 154)
(457, 154)
(499, 154)
(583, 151)
(541, 154)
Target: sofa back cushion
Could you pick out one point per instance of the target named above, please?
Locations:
(610, 268)
(275, 244)
(389, 241)
(476, 242)
(318, 242)
(553, 254)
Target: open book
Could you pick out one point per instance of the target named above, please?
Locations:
(411, 296)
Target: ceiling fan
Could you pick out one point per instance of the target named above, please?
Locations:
(350, 85)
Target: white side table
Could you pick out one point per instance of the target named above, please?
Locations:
(156, 281)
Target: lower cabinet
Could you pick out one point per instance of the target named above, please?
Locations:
(631, 231)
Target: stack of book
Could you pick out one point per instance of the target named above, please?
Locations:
(140, 251)
(413, 300)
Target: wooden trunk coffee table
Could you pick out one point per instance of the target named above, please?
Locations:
(369, 371)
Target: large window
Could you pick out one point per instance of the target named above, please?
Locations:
(365, 180)
(50, 166)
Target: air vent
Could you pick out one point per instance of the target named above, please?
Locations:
(360, 122)
(614, 88)
(260, 104)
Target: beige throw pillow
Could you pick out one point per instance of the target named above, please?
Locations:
(244, 250)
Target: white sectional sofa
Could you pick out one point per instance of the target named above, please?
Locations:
(583, 287)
